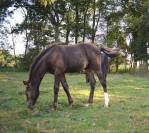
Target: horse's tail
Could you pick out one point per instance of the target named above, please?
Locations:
(112, 52)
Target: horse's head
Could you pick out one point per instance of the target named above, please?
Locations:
(32, 94)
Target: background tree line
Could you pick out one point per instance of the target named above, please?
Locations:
(106, 22)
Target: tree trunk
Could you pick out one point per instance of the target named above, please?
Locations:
(84, 21)
(67, 36)
(67, 29)
(26, 45)
(13, 42)
(84, 29)
(14, 51)
(107, 28)
(116, 65)
(26, 34)
(77, 22)
(93, 25)
(125, 65)
(56, 37)
(86, 5)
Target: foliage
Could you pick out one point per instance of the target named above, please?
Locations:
(6, 59)
(4, 38)
(28, 59)
(4, 12)
(110, 21)
(46, 2)
(138, 26)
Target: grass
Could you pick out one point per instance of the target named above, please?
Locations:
(129, 110)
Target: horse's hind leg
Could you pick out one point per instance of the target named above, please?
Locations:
(66, 89)
(102, 80)
(92, 82)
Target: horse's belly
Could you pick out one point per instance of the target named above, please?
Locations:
(75, 69)
(77, 66)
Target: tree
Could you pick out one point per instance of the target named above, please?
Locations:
(138, 26)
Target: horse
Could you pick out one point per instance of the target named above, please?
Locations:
(60, 59)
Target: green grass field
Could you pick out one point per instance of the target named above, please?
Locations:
(128, 113)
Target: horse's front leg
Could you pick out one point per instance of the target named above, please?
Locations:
(56, 90)
(66, 89)
(102, 80)
(87, 76)
(92, 82)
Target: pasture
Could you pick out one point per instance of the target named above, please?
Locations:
(128, 111)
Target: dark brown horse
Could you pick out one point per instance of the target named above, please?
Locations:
(60, 59)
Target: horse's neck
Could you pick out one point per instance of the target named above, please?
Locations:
(37, 76)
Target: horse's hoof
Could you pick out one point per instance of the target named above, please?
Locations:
(52, 109)
(71, 105)
(70, 101)
(36, 113)
(55, 108)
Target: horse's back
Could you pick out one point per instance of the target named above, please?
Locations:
(74, 57)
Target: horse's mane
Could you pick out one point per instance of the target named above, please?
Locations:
(37, 58)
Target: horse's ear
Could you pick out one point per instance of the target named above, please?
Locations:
(25, 82)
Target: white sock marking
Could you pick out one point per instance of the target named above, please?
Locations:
(106, 98)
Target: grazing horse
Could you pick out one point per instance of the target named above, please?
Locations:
(60, 59)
